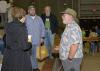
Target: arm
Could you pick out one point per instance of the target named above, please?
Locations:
(75, 40)
(55, 23)
(27, 22)
(24, 38)
(8, 36)
(42, 29)
(73, 50)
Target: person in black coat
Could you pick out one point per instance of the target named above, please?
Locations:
(51, 26)
(16, 55)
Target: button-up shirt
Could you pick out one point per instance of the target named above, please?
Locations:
(71, 35)
(36, 29)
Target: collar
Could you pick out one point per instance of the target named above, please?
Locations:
(71, 24)
(33, 17)
(16, 21)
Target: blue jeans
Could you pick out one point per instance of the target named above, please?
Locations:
(92, 48)
(2, 46)
(33, 57)
(49, 41)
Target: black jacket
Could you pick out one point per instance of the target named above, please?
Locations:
(53, 22)
(15, 58)
(16, 35)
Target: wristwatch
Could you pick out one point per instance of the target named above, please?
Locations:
(70, 59)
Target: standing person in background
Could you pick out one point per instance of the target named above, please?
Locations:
(36, 30)
(71, 44)
(97, 28)
(83, 36)
(83, 32)
(3, 11)
(16, 57)
(10, 18)
(93, 34)
(51, 25)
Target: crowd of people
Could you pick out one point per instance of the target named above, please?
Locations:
(41, 29)
(19, 56)
(94, 45)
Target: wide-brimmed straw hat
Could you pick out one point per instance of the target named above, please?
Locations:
(70, 12)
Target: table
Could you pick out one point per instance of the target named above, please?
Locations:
(90, 39)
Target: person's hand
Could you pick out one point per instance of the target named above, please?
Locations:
(22, 20)
(29, 38)
(69, 59)
(42, 39)
(42, 42)
(57, 47)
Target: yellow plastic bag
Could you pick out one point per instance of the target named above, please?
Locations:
(87, 46)
(42, 53)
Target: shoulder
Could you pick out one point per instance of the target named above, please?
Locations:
(76, 26)
(27, 16)
(52, 15)
(9, 27)
(43, 15)
(9, 24)
(38, 17)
